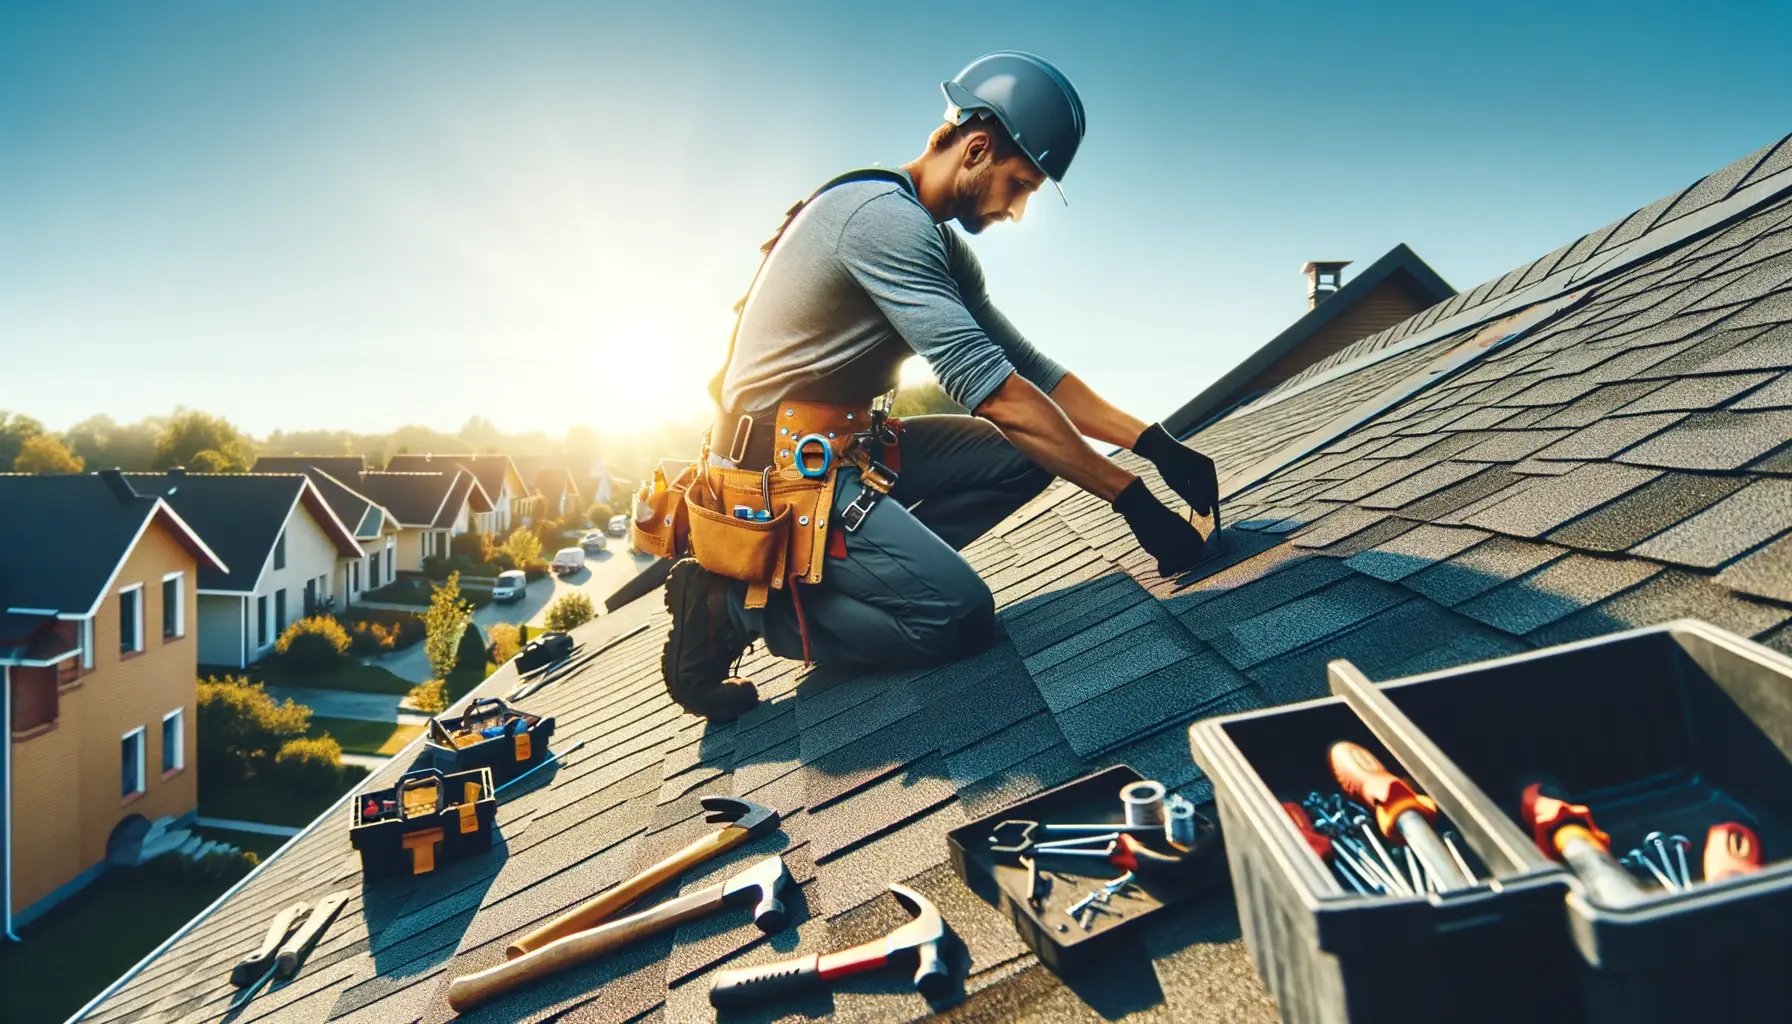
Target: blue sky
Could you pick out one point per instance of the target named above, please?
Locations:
(349, 215)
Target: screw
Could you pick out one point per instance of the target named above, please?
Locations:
(1088, 916)
(1661, 848)
(1638, 857)
(1063, 927)
(1681, 843)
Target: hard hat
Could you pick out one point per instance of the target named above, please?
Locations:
(1032, 100)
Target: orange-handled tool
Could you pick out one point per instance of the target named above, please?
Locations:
(1321, 844)
(1731, 849)
(1401, 812)
(1565, 831)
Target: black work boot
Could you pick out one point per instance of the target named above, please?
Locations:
(702, 646)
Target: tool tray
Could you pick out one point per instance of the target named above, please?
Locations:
(490, 734)
(1330, 954)
(428, 818)
(1671, 729)
(1092, 799)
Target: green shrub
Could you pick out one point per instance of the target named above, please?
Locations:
(309, 764)
(470, 656)
(435, 567)
(314, 644)
(476, 546)
(548, 532)
(522, 546)
(367, 639)
(506, 641)
(431, 697)
(569, 610)
(503, 561)
(600, 515)
(535, 570)
(240, 727)
(217, 868)
(462, 564)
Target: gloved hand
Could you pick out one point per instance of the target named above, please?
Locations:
(1189, 473)
(1166, 535)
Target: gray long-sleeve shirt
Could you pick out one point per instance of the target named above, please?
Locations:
(862, 278)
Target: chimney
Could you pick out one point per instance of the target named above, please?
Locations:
(1324, 278)
(177, 472)
(116, 483)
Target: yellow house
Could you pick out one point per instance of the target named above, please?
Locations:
(99, 655)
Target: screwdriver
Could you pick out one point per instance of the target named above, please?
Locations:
(1566, 832)
(1398, 808)
(1320, 844)
(1731, 849)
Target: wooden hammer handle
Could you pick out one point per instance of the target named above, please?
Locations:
(594, 911)
(471, 990)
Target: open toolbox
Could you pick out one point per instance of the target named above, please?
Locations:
(1331, 954)
(424, 820)
(1670, 729)
(489, 734)
(1056, 938)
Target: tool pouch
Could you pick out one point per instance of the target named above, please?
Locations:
(660, 525)
(764, 554)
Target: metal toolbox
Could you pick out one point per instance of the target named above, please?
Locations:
(1672, 728)
(428, 818)
(489, 734)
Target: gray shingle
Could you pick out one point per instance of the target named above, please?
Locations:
(1301, 622)
(1735, 524)
(1766, 573)
(1715, 441)
(1644, 512)
(1608, 437)
(1545, 503)
(1556, 590)
(1416, 549)
(1694, 394)
(1670, 595)
(1420, 484)
(1480, 569)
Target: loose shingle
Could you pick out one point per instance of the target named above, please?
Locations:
(1694, 394)
(1671, 595)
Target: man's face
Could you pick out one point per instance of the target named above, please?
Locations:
(991, 190)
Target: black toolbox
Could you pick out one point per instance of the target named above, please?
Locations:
(1672, 728)
(1487, 953)
(543, 651)
(428, 818)
(489, 734)
(1055, 938)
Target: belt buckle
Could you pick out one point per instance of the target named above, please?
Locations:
(877, 476)
(854, 514)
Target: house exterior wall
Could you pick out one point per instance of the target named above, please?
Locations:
(221, 629)
(1388, 303)
(309, 554)
(67, 781)
(410, 548)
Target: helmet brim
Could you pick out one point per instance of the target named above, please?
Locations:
(961, 104)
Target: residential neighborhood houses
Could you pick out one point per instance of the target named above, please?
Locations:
(159, 577)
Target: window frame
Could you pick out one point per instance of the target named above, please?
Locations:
(178, 578)
(137, 623)
(142, 767)
(179, 718)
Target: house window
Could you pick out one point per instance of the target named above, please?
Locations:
(130, 619)
(174, 607)
(391, 558)
(174, 751)
(279, 611)
(373, 569)
(280, 551)
(261, 621)
(354, 577)
(130, 763)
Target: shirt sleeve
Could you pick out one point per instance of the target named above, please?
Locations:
(891, 248)
(1031, 363)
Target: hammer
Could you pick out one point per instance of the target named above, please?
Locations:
(743, 986)
(745, 820)
(759, 883)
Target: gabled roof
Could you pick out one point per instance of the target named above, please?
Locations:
(241, 515)
(367, 517)
(490, 470)
(554, 482)
(423, 499)
(342, 467)
(1621, 462)
(64, 538)
(1399, 268)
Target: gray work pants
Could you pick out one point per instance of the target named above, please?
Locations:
(903, 596)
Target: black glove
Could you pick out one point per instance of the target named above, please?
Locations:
(1166, 535)
(1189, 473)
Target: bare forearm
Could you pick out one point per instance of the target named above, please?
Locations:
(1093, 415)
(1041, 430)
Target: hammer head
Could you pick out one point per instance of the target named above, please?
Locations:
(757, 819)
(763, 882)
(923, 935)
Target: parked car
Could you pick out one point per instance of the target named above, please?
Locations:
(594, 541)
(618, 525)
(568, 560)
(510, 586)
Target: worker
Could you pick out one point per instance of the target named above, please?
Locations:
(864, 274)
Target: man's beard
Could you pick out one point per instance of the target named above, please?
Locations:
(972, 195)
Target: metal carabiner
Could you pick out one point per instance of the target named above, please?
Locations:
(802, 447)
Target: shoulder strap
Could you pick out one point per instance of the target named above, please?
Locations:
(861, 174)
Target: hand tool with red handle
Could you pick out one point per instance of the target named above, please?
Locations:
(744, 986)
(741, 820)
(1321, 844)
(1399, 811)
(1731, 849)
(1565, 831)
(759, 884)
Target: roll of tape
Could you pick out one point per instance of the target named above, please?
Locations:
(1144, 802)
(1179, 822)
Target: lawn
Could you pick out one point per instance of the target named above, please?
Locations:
(376, 739)
(262, 844)
(352, 676)
(261, 801)
(80, 947)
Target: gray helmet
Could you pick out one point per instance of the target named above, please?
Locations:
(1032, 100)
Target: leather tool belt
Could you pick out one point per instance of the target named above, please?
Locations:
(765, 521)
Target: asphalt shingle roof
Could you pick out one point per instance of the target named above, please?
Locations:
(1455, 524)
(239, 516)
(61, 537)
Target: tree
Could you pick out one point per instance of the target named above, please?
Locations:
(241, 727)
(42, 453)
(102, 443)
(571, 609)
(191, 433)
(443, 625)
(523, 546)
(600, 515)
(15, 430)
(430, 698)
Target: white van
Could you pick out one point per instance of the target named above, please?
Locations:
(568, 560)
(510, 586)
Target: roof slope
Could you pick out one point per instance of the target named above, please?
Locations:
(417, 499)
(1623, 463)
(489, 470)
(240, 516)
